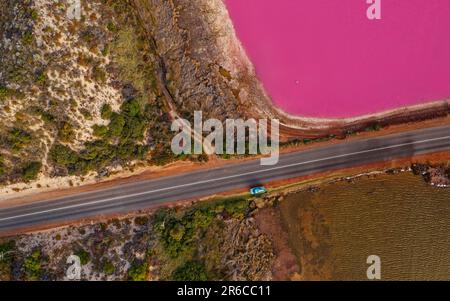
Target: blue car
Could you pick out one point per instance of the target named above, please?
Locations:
(258, 190)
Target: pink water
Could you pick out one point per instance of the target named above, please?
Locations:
(325, 58)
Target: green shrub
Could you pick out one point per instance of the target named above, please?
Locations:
(6, 249)
(106, 111)
(34, 14)
(84, 256)
(116, 125)
(190, 271)
(47, 117)
(31, 171)
(63, 155)
(18, 139)
(138, 272)
(373, 128)
(32, 265)
(100, 130)
(112, 27)
(131, 108)
(27, 38)
(108, 268)
(41, 79)
(5, 92)
(177, 235)
(66, 132)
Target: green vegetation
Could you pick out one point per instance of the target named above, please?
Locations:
(31, 170)
(63, 155)
(120, 140)
(6, 255)
(6, 93)
(32, 265)
(100, 130)
(190, 271)
(46, 117)
(138, 272)
(17, 139)
(41, 79)
(179, 234)
(27, 38)
(112, 26)
(373, 127)
(34, 14)
(66, 132)
(106, 111)
(84, 256)
(2, 166)
(3, 92)
(126, 51)
(108, 268)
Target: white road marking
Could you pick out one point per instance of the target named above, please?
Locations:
(223, 178)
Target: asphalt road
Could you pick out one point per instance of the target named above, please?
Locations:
(144, 194)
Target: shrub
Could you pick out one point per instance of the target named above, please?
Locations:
(18, 139)
(138, 272)
(63, 155)
(6, 249)
(106, 111)
(100, 130)
(47, 117)
(190, 271)
(66, 132)
(108, 268)
(131, 108)
(31, 171)
(5, 92)
(32, 265)
(112, 27)
(373, 128)
(41, 79)
(116, 125)
(84, 256)
(34, 14)
(27, 38)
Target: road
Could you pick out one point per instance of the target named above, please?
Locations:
(145, 194)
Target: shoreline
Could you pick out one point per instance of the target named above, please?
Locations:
(237, 61)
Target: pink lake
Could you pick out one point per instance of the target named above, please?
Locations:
(325, 58)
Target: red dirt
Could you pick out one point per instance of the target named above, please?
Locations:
(285, 265)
